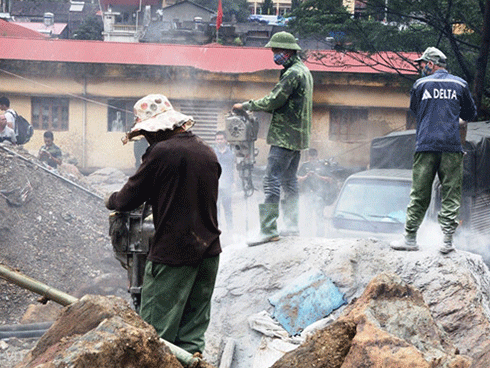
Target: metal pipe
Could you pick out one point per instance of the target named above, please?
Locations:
(38, 287)
(182, 356)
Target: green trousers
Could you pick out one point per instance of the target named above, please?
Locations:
(176, 300)
(449, 168)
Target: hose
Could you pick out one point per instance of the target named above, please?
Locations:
(27, 330)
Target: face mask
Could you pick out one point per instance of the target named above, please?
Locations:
(281, 58)
(426, 71)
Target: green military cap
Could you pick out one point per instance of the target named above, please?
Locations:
(283, 40)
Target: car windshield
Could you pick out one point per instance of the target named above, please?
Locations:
(374, 200)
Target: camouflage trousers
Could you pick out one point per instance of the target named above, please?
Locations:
(449, 168)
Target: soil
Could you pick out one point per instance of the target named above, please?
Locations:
(54, 229)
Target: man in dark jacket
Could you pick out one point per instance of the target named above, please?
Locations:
(290, 102)
(442, 104)
(179, 177)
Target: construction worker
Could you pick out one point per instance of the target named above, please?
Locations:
(179, 177)
(442, 103)
(290, 103)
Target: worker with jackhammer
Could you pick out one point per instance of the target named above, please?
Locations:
(290, 103)
(178, 177)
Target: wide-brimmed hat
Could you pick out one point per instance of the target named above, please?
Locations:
(155, 112)
(433, 54)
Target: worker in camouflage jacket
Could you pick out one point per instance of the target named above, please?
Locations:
(290, 103)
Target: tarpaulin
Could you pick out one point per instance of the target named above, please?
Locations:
(309, 298)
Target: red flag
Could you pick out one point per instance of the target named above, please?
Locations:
(219, 18)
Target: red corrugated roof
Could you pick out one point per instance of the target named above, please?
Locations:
(9, 29)
(213, 58)
(56, 28)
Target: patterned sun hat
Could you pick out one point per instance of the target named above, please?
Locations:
(155, 112)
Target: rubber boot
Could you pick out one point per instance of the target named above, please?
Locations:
(447, 245)
(408, 243)
(268, 212)
(290, 215)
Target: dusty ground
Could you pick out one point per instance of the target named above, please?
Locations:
(54, 232)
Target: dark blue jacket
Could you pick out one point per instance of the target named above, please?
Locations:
(438, 101)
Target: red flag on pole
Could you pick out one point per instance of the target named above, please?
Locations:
(219, 18)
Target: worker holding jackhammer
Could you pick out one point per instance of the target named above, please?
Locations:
(178, 177)
(290, 103)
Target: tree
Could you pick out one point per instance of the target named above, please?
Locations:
(460, 28)
(90, 29)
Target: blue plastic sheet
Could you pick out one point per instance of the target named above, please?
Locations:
(310, 298)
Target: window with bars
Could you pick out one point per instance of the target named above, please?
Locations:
(348, 124)
(50, 113)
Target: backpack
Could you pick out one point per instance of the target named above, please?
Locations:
(23, 129)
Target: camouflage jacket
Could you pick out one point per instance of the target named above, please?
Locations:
(290, 103)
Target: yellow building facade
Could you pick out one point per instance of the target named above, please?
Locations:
(349, 107)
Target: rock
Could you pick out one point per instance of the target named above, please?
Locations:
(388, 326)
(395, 326)
(326, 349)
(100, 332)
(455, 289)
(41, 313)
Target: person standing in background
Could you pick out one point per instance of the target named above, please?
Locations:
(227, 160)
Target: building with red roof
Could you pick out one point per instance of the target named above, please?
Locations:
(84, 91)
(10, 29)
(55, 30)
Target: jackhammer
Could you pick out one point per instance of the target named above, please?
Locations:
(241, 133)
(131, 234)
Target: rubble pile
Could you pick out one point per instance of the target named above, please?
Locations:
(54, 232)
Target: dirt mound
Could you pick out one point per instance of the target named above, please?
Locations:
(54, 231)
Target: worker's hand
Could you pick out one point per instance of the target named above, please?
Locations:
(238, 107)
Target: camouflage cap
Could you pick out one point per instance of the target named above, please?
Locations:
(433, 54)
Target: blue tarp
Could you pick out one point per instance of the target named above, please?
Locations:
(310, 298)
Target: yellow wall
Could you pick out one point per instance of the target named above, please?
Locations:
(94, 147)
